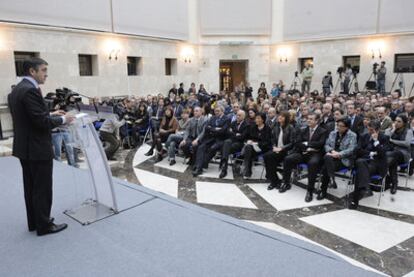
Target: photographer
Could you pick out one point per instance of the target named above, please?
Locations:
(108, 132)
(381, 72)
(327, 84)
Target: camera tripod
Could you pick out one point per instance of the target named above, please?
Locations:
(373, 74)
(354, 82)
(338, 81)
(411, 91)
(295, 82)
(401, 83)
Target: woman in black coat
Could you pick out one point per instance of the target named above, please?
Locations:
(283, 140)
(258, 141)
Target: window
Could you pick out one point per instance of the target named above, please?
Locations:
(170, 67)
(303, 62)
(19, 58)
(404, 63)
(134, 66)
(354, 61)
(88, 65)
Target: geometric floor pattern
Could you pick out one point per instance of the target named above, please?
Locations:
(381, 242)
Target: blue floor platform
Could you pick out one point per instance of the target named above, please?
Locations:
(153, 235)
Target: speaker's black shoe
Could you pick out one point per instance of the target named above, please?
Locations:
(172, 162)
(321, 195)
(53, 228)
(393, 189)
(309, 196)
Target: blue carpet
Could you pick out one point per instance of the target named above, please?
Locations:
(153, 235)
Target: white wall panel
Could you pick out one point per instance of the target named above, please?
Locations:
(157, 18)
(85, 14)
(329, 18)
(396, 16)
(235, 17)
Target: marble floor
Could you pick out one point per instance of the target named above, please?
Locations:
(379, 241)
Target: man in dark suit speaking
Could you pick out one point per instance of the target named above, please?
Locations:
(32, 144)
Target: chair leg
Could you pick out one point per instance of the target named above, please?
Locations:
(261, 175)
(381, 192)
(407, 176)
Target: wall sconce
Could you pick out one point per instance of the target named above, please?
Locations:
(376, 49)
(373, 53)
(187, 53)
(283, 53)
(114, 54)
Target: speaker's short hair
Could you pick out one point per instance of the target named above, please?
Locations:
(32, 63)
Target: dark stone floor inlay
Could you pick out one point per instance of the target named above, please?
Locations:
(395, 261)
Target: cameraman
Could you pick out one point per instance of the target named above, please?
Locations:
(327, 84)
(61, 134)
(381, 78)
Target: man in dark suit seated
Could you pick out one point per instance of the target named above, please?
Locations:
(32, 144)
(193, 134)
(308, 149)
(215, 134)
(357, 122)
(271, 119)
(370, 160)
(327, 119)
(339, 148)
(237, 137)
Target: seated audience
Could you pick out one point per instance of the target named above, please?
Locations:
(168, 126)
(400, 139)
(175, 139)
(108, 134)
(193, 135)
(308, 149)
(339, 149)
(370, 160)
(213, 138)
(238, 133)
(283, 139)
(258, 141)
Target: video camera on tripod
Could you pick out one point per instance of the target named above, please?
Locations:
(355, 70)
(66, 97)
(295, 83)
(374, 68)
(63, 99)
